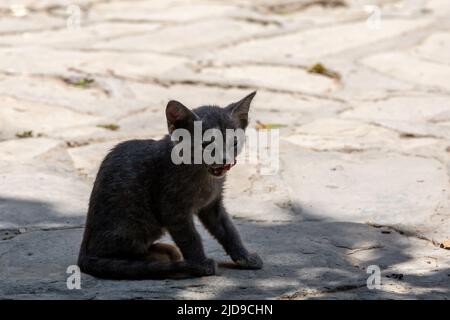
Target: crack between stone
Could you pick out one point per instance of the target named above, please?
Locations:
(404, 232)
(24, 230)
(365, 248)
(283, 32)
(295, 6)
(171, 82)
(317, 293)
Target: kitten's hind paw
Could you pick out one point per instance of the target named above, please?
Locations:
(252, 261)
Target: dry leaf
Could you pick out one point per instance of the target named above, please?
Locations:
(319, 68)
(268, 126)
(445, 244)
(25, 134)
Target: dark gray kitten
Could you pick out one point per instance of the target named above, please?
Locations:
(139, 194)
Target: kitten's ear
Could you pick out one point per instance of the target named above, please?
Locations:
(178, 116)
(239, 110)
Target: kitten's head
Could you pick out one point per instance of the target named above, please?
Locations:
(214, 135)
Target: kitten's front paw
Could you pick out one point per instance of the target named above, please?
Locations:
(207, 267)
(252, 261)
(210, 267)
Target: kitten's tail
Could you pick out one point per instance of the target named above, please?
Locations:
(107, 268)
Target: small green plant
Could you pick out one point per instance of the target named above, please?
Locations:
(24, 134)
(109, 126)
(81, 82)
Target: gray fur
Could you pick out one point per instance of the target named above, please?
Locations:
(139, 194)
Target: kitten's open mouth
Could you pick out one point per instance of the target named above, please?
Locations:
(219, 171)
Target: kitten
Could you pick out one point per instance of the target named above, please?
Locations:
(140, 193)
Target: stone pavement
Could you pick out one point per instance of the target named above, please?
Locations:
(364, 147)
